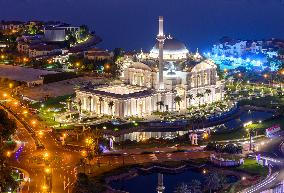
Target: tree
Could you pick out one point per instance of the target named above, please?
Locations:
(8, 126)
(90, 157)
(79, 102)
(182, 188)
(212, 182)
(195, 186)
(84, 31)
(7, 129)
(177, 100)
(90, 104)
(160, 104)
(111, 104)
(117, 52)
(208, 92)
(199, 96)
(84, 184)
(190, 97)
(71, 39)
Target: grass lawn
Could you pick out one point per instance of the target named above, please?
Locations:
(45, 112)
(266, 124)
(53, 102)
(252, 167)
(235, 134)
(267, 101)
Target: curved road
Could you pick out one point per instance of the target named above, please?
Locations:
(273, 151)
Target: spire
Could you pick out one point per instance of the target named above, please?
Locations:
(160, 187)
(161, 39)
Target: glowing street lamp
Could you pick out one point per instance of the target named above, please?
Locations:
(265, 75)
(25, 59)
(47, 170)
(11, 85)
(84, 153)
(8, 154)
(5, 95)
(40, 133)
(45, 155)
(2, 56)
(33, 122)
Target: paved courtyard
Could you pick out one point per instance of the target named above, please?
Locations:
(65, 87)
(22, 74)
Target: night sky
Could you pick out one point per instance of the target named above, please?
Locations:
(132, 24)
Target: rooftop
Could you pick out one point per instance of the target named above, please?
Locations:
(120, 91)
(22, 74)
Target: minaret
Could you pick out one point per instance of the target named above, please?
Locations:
(160, 187)
(161, 39)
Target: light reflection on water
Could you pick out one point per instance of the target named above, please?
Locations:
(254, 116)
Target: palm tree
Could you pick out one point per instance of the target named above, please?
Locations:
(111, 104)
(160, 104)
(101, 100)
(177, 100)
(83, 163)
(208, 92)
(190, 97)
(77, 132)
(97, 136)
(90, 157)
(90, 104)
(212, 182)
(68, 102)
(199, 96)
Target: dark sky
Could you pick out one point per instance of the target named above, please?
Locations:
(132, 24)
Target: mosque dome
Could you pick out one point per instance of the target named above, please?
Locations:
(173, 49)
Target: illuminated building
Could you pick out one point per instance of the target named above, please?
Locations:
(168, 78)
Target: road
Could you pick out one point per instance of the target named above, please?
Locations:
(62, 163)
(273, 151)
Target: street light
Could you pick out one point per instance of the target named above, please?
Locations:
(33, 122)
(11, 85)
(84, 153)
(47, 170)
(40, 133)
(45, 155)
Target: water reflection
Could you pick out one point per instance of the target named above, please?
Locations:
(254, 116)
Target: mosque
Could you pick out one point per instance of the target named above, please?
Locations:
(168, 78)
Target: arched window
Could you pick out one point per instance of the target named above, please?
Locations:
(192, 81)
(198, 80)
(205, 78)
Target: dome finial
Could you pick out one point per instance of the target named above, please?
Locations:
(170, 37)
